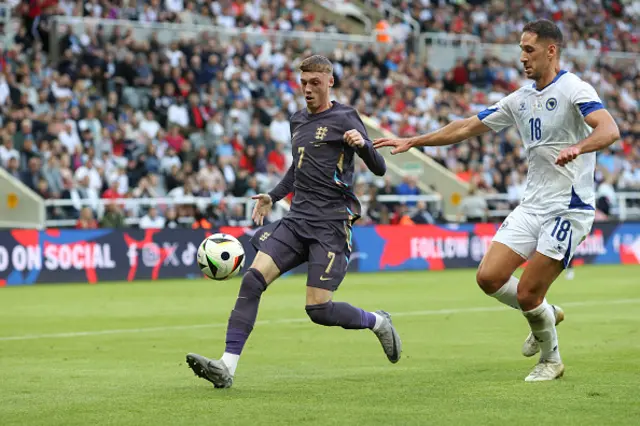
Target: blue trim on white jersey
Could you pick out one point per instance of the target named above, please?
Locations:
(560, 74)
(487, 112)
(567, 254)
(577, 204)
(587, 108)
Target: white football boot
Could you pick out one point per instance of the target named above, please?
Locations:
(212, 370)
(545, 371)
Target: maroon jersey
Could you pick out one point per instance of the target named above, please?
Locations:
(322, 173)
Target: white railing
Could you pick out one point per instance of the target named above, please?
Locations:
(134, 204)
(202, 202)
(621, 211)
(442, 49)
(168, 32)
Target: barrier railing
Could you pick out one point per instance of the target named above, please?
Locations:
(202, 202)
(167, 32)
(623, 210)
(442, 49)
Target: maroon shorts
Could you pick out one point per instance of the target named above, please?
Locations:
(325, 245)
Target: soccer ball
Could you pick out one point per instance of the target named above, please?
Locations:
(220, 256)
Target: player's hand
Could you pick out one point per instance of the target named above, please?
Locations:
(567, 155)
(399, 145)
(262, 208)
(354, 138)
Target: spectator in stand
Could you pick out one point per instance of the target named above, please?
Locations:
(13, 168)
(277, 158)
(279, 129)
(171, 219)
(200, 221)
(86, 220)
(421, 215)
(33, 175)
(376, 213)
(408, 187)
(152, 220)
(606, 199)
(113, 217)
(473, 208)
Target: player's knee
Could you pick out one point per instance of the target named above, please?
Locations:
(253, 284)
(489, 281)
(528, 297)
(265, 265)
(321, 314)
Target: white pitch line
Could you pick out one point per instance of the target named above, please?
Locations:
(296, 320)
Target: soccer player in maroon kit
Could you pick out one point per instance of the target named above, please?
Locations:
(326, 137)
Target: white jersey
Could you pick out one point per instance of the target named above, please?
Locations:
(550, 120)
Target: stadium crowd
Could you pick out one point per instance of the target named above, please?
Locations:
(597, 25)
(119, 117)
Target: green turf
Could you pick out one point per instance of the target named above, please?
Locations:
(459, 367)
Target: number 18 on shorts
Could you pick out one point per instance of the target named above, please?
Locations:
(553, 235)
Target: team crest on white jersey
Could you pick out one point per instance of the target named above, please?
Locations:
(552, 103)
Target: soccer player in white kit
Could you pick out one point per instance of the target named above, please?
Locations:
(562, 123)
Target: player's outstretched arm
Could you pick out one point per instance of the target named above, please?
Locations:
(452, 133)
(265, 202)
(605, 132)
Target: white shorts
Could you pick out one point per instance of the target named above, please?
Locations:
(555, 236)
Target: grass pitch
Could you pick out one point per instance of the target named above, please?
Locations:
(114, 354)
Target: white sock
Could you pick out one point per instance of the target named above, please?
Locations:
(231, 361)
(508, 294)
(542, 321)
(379, 319)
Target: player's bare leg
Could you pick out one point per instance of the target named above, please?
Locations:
(495, 278)
(540, 273)
(263, 271)
(324, 311)
(495, 274)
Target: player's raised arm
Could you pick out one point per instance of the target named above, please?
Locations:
(358, 138)
(605, 130)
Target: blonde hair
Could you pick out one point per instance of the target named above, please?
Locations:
(317, 63)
